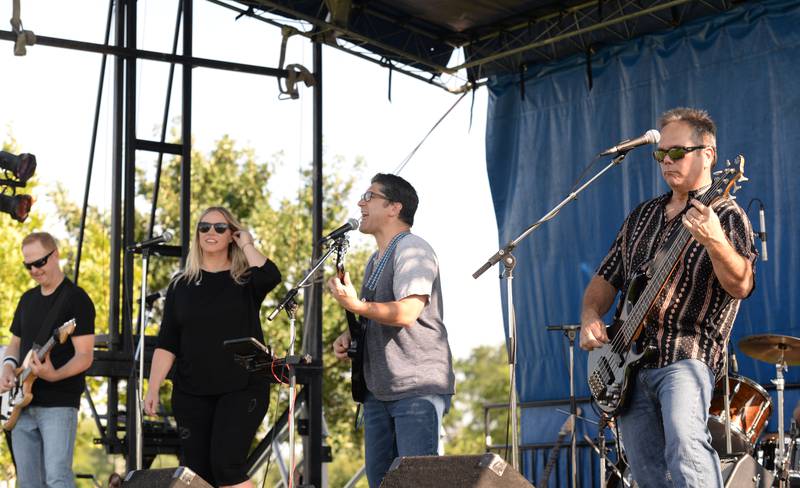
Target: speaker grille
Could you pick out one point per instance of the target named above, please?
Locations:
(478, 471)
(179, 477)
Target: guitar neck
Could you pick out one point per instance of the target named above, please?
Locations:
(40, 354)
(662, 273)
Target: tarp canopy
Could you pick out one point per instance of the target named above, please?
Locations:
(497, 36)
(743, 67)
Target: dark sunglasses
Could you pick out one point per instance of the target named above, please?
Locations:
(219, 227)
(674, 153)
(39, 262)
(369, 195)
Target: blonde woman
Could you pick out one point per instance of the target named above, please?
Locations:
(217, 405)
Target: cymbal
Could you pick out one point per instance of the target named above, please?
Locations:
(772, 348)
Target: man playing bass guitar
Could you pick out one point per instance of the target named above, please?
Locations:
(408, 367)
(663, 425)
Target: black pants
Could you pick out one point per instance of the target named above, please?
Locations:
(216, 431)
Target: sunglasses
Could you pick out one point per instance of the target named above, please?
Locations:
(219, 227)
(675, 153)
(39, 262)
(369, 195)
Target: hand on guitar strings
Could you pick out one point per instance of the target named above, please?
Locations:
(43, 370)
(703, 223)
(341, 345)
(344, 292)
(593, 334)
(7, 378)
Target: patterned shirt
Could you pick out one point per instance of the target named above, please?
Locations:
(692, 315)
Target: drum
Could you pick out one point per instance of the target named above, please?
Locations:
(750, 406)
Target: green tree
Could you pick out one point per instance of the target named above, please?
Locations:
(231, 176)
(481, 378)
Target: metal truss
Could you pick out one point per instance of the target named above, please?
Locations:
(380, 33)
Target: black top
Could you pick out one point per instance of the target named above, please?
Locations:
(199, 316)
(32, 310)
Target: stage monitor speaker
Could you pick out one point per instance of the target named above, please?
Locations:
(179, 477)
(480, 471)
(744, 472)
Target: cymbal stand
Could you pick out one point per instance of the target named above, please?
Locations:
(779, 382)
(728, 445)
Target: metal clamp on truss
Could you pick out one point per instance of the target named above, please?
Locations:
(24, 37)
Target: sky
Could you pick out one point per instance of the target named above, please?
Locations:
(47, 102)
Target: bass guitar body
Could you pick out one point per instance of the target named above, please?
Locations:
(612, 366)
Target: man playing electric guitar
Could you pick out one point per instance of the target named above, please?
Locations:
(407, 362)
(44, 435)
(690, 320)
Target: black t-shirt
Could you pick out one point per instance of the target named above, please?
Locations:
(200, 316)
(32, 309)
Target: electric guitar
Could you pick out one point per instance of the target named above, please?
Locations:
(358, 385)
(20, 395)
(611, 366)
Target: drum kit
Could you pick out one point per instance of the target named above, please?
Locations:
(739, 412)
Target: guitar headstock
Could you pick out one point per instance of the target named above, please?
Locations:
(341, 249)
(64, 331)
(735, 171)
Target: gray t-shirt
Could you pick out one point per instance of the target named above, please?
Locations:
(403, 362)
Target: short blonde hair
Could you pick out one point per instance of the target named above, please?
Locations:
(44, 238)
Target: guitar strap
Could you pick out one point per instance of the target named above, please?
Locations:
(52, 315)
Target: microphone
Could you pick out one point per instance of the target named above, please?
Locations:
(154, 297)
(650, 137)
(762, 234)
(165, 237)
(734, 363)
(351, 224)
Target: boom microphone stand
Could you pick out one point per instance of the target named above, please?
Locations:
(509, 261)
(290, 305)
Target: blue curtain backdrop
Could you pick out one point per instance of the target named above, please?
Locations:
(744, 68)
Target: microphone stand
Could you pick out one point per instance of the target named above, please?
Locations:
(144, 308)
(509, 261)
(290, 305)
(570, 331)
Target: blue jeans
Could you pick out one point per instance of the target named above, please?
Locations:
(407, 427)
(43, 441)
(664, 429)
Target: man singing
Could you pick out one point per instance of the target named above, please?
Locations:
(407, 361)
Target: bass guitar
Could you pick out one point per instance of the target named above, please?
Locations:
(356, 327)
(21, 394)
(610, 367)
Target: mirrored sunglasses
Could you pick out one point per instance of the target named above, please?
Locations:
(219, 227)
(39, 262)
(675, 153)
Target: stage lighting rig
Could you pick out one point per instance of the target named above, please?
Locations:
(18, 206)
(21, 167)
